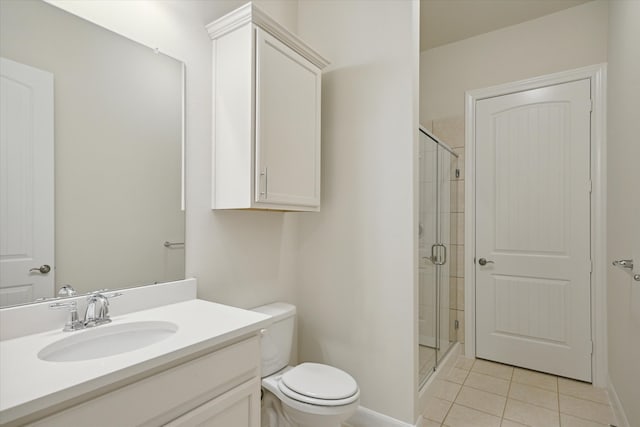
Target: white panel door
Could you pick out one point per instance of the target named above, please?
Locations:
(26, 183)
(533, 228)
(287, 125)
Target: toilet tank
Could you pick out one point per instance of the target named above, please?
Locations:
(277, 338)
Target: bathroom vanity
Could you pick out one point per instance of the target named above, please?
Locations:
(183, 363)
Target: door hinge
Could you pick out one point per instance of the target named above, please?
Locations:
(590, 347)
(590, 266)
(590, 186)
(590, 105)
(456, 324)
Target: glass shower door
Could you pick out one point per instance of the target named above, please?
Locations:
(428, 236)
(437, 292)
(447, 292)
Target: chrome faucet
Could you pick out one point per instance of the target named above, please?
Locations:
(98, 309)
(97, 312)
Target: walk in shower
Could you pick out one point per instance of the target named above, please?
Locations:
(437, 291)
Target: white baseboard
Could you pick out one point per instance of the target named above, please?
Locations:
(365, 417)
(618, 411)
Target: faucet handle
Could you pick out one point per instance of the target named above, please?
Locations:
(104, 293)
(67, 291)
(71, 305)
(73, 323)
(113, 295)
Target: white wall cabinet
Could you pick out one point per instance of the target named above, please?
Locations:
(266, 115)
(221, 388)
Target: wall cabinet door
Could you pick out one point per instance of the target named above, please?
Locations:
(238, 407)
(266, 115)
(287, 125)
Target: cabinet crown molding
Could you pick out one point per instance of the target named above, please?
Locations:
(250, 13)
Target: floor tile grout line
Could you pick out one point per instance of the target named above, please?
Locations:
(454, 399)
(488, 391)
(479, 410)
(586, 400)
(591, 420)
(538, 387)
(507, 398)
(535, 404)
(559, 416)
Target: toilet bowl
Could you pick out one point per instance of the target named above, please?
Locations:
(307, 395)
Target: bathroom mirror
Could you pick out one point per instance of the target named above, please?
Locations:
(112, 163)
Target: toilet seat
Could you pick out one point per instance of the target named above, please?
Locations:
(318, 384)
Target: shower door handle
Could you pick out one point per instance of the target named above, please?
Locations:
(444, 254)
(435, 258)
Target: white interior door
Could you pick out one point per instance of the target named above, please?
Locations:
(26, 183)
(533, 295)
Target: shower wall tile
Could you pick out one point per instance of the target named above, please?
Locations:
(453, 293)
(457, 163)
(453, 228)
(453, 332)
(457, 260)
(460, 316)
(453, 261)
(457, 228)
(457, 196)
(460, 293)
(450, 130)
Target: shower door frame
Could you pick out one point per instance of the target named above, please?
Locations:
(441, 149)
(597, 76)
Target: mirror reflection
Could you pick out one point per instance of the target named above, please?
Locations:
(91, 164)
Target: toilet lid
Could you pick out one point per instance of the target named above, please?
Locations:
(320, 382)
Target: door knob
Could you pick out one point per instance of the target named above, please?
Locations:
(43, 269)
(483, 261)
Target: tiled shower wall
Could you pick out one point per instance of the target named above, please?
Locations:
(450, 130)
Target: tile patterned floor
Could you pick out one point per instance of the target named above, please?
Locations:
(478, 393)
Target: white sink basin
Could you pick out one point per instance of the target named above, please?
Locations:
(107, 340)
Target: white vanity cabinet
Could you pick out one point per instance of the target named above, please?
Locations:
(219, 389)
(266, 115)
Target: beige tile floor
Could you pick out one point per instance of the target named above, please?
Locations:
(478, 393)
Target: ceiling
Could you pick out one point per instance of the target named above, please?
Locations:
(447, 21)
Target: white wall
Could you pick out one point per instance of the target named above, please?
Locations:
(561, 41)
(239, 258)
(623, 222)
(356, 285)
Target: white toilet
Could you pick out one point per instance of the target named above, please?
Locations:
(307, 395)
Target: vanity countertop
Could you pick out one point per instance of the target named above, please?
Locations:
(28, 384)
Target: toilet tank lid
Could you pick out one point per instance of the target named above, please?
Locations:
(277, 310)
